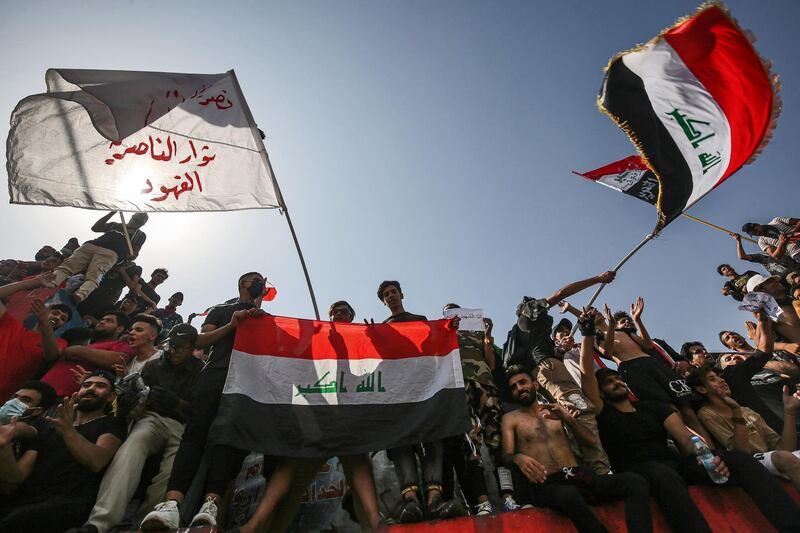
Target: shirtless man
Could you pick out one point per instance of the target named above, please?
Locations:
(625, 342)
(535, 441)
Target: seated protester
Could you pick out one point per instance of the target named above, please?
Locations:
(145, 294)
(755, 380)
(696, 354)
(781, 235)
(168, 315)
(735, 286)
(158, 432)
(96, 257)
(635, 437)
(430, 454)
(141, 338)
(24, 410)
(104, 297)
(476, 349)
(739, 428)
(779, 266)
(530, 343)
(535, 442)
(61, 472)
(291, 476)
(127, 306)
(788, 325)
(106, 350)
(22, 352)
(625, 342)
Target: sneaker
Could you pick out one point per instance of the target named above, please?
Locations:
(207, 515)
(411, 512)
(509, 504)
(440, 509)
(484, 509)
(165, 515)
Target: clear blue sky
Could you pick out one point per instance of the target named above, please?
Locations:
(429, 142)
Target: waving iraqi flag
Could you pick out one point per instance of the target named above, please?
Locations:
(698, 103)
(304, 388)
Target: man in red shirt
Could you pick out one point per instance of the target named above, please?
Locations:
(106, 351)
(22, 351)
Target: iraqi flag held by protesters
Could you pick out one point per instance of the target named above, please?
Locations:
(304, 388)
(138, 141)
(697, 101)
(630, 176)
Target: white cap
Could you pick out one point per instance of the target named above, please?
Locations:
(756, 280)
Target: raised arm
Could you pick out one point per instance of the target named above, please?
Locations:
(764, 335)
(777, 251)
(93, 455)
(791, 405)
(488, 344)
(739, 248)
(101, 226)
(583, 435)
(586, 323)
(102, 358)
(26, 284)
(636, 313)
(573, 288)
(50, 349)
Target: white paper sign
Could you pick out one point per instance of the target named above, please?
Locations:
(471, 319)
(753, 301)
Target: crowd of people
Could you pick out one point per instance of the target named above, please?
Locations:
(108, 400)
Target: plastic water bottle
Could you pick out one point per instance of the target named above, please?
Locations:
(707, 458)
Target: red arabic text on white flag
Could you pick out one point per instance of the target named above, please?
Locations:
(138, 141)
(697, 102)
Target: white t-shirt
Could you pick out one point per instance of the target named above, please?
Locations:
(782, 225)
(135, 366)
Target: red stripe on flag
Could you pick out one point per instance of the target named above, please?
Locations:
(722, 58)
(633, 162)
(310, 339)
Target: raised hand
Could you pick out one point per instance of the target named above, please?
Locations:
(563, 306)
(64, 419)
(238, 316)
(791, 400)
(637, 308)
(553, 411)
(46, 279)
(488, 325)
(607, 276)
(612, 322)
(41, 312)
(78, 373)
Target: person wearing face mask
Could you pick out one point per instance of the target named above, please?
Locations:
(24, 410)
(217, 332)
(59, 475)
(170, 378)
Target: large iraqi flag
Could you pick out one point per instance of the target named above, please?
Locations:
(305, 388)
(697, 101)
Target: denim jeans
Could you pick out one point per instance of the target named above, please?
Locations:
(405, 464)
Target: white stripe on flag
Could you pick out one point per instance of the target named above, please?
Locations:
(662, 71)
(275, 380)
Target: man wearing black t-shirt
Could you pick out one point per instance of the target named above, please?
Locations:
(756, 380)
(96, 257)
(61, 471)
(218, 332)
(635, 438)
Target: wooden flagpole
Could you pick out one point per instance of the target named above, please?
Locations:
(125, 231)
(281, 203)
(718, 228)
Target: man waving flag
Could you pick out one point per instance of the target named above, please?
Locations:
(698, 103)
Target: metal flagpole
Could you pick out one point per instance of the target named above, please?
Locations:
(720, 228)
(624, 260)
(265, 158)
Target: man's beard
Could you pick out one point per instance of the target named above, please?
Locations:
(90, 404)
(527, 401)
(616, 396)
(103, 335)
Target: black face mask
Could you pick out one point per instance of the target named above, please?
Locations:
(256, 288)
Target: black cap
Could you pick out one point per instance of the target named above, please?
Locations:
(564, 323)
(184, 332)
(603, 373)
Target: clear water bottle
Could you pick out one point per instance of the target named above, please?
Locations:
(706, 457)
